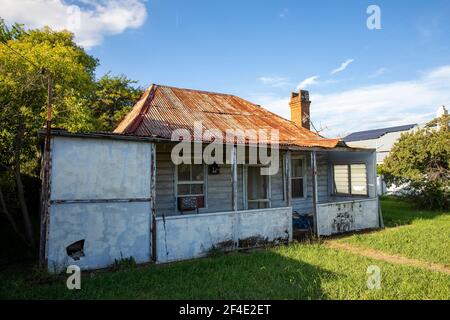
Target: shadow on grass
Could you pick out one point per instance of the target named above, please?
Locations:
(263, 274)
(397, 212)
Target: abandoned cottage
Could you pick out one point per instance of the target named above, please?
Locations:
(112, 195)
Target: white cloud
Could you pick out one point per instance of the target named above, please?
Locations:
(308, 82)
(89, 20)
(274, 81)
(378, 72)
(343, 66)
(374, 106)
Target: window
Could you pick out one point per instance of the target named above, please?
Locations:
(190, 180)
(298, 177)
(257, 188)
(350, 179)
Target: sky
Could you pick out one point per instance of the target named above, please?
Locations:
(358, 78)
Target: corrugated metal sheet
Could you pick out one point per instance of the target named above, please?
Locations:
(163, 109)
(376, 133)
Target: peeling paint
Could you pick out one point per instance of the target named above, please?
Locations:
(191, 236)
(347, 216)
(101, 194)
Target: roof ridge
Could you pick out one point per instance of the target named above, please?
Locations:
(245, 100)
(148, 97)
(194, 90)
(280, 117)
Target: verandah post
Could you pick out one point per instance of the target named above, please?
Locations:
(315, 196)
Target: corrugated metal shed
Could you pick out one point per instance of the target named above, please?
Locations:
(163, 109)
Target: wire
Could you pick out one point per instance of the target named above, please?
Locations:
(23, 57)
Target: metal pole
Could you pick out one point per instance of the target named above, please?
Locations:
(153, 205)
(234, 177)
(287, 175)
(46, 176)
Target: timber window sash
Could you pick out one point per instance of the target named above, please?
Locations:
(190, 180)
(298, 177)
(257, 188)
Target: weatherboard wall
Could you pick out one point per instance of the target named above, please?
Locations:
(218, 187)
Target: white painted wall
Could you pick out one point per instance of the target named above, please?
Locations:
(110, 232)
(91, 181)
(190, 236)
(347, 216)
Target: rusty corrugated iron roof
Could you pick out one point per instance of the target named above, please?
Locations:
(162, 109)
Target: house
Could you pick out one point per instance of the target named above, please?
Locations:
(121, 194)
(382, 140)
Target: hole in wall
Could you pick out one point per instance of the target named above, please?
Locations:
(75, 250)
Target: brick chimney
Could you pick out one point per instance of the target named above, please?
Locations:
(300, 108)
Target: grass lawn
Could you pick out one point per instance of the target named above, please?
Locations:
(300, 271)
(423, 235)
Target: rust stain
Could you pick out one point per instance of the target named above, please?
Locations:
(163, 109)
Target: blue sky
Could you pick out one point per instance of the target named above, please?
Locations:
(263, 50)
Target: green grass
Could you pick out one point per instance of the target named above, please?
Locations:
(423, 235)
(300, 271)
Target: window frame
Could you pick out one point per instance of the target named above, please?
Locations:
(268, 190)
(305, 176)
(190, 182)
(349, 178)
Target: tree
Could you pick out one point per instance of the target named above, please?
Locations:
(114, 98)
(27, 59)
(421, 160)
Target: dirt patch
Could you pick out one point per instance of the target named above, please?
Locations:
(392, 258)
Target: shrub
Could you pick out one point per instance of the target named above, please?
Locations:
(420, 161)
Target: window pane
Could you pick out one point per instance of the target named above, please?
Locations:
(197, 172)
(358, 179)
(341, 178)
(184, 172)
(258, 205)
(196, 188)
(183, 189)
(297, 167)
(297, 188)
(256, 184)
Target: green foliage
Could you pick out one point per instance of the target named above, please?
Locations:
(79, 102)
(26, 63)
(114, 98)
(123, 263)
(28, 60)
(12, 33)
(421, 160)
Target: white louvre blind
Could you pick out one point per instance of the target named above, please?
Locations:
(358, 179)
(350, 179)
(341, 178)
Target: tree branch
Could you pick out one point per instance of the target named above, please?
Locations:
(5, 210)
